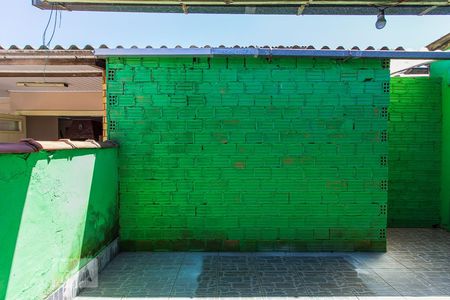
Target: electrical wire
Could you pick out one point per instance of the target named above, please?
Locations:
(54, 28)
(48, 24)
(44, 34)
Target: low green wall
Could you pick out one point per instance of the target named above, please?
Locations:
(441, 71)
(414, 152)
(58, 210)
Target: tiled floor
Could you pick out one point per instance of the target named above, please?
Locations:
(417, 264)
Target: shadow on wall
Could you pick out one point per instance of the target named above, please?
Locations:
(64, 210)
(103, 207)
(415, 120)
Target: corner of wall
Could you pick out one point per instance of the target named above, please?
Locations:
(441, 69)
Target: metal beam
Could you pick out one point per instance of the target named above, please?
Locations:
(259, 2)
(286, 7)
(427, 10)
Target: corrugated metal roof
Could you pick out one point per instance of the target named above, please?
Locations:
(103, 46)
(294, 50)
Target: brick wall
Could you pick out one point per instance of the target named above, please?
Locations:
(414, 152)
(238, 153)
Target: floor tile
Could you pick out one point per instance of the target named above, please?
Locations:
(417, 264)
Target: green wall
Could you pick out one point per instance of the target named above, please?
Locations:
(441, 71)
(414, 152)
(61, 210)
(238, 153)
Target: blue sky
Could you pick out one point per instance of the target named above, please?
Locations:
(21, 24)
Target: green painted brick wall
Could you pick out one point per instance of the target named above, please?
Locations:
(234, 153)
(440, 71)
(414, 152)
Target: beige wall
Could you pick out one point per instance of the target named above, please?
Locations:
(12, 137)
(5, 105)
(42, 128)
(56, 101)
(42, 110)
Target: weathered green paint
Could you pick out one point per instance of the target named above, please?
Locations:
(241, 153)
(58, 210)
(414, 152)
(441, 71)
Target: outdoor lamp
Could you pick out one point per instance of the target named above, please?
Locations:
(381, 20)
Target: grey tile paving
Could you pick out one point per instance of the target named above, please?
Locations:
(417, 264)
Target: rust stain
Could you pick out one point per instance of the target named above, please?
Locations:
(231, 245)
(232, 122)
(239, 165)
(337, 185)
(288, 160)
(222, 138)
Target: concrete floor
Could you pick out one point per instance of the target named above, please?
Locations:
(417, 264)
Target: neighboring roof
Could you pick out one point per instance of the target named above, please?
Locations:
(410, 68)
(442, 43)
(280, 7)
(79, 69)
(355, 52)
(85, 49)
(57, 55)
(400, 66)
(59, 62)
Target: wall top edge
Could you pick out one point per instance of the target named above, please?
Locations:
(30, 145)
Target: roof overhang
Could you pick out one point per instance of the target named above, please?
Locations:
(263, 7)
(49, 57)
(255, 52)
(24, 70)
(402, 67)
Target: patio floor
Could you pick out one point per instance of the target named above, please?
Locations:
(417, 264)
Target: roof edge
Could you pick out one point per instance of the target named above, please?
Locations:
(326, 53)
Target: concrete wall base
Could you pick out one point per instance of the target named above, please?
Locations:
(86, 276)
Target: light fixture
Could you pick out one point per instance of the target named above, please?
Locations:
(42, 84)
(381, 20)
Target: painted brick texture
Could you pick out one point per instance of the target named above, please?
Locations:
(414, 152)
(250, 154)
